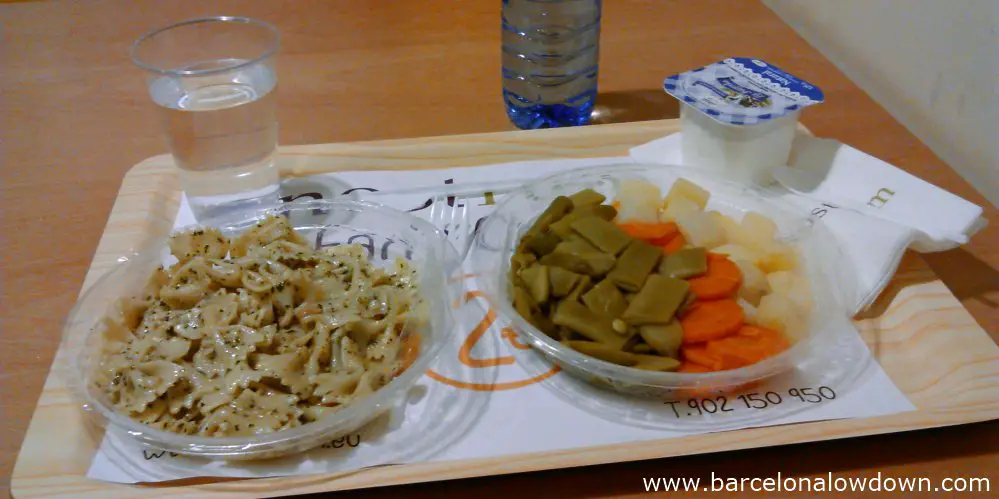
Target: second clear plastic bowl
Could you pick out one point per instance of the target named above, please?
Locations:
(387, 233)
(498, 236)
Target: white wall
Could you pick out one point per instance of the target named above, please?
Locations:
(932, 64)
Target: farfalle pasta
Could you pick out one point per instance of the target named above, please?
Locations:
(257, 334)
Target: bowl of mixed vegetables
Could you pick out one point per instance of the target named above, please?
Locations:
(658, 280)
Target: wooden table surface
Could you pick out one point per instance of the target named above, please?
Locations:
(76, 117)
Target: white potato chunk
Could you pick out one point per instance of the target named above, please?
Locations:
(776, 257)
(731, 227)
(701, 229)
(759, 224)
(639, 201)
(679, 208)
(748, 309)
(781, 282)
(684, 188)
(779, 313)
(754, 281)
(736, 252)
(755, 231)
(793, 286)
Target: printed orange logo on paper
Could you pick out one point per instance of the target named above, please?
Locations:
(466, 358)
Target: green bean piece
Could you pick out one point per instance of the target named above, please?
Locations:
(576, 255)
(605, 211)
(642, 348)
(633, 341)
(604, 235)
(585, 284)
(566, 261)
(574, 244)
(587, 197)
(635, 265)
(575, 316)
(545, 325)
(563, 228)
(663, 338)
(657, 301)
(562, 281)
(656, 363)
(524, 259)
(684, 264)
(523, 303)
(566, 334)
(605, 299)
(536, 281)
(603, 352)
(521, 260)
(555, 211)
(687, 303)
(594, 264)
(570, 335)
(542, 244)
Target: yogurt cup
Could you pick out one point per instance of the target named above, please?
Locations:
(739, 116)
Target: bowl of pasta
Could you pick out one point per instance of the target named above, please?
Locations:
(266, 334)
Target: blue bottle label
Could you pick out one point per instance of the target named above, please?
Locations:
(742, 91)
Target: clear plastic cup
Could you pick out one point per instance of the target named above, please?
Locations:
(214, 83)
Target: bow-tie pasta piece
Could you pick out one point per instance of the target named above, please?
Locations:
(257, 334)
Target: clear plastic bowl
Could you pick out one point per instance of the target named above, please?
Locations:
(388, 232)
(497, 238)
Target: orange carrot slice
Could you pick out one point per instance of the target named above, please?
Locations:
(700, 354)
(722, 280)
(690, 367)
(752, 331)
(749, 345)
(711, 320)
(672, 232)
(650, 232)
(675, 244)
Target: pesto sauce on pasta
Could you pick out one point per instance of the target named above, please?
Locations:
(256, 334)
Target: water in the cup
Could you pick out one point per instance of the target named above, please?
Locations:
(222, 131)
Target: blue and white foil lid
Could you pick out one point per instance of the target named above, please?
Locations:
(742, 91)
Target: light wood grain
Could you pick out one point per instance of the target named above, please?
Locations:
(76, 116)
(917, 319)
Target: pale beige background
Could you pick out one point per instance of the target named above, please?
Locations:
(932, 64)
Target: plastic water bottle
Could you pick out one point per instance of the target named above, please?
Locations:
(550, 54)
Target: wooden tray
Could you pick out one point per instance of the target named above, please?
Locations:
(916, 319)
